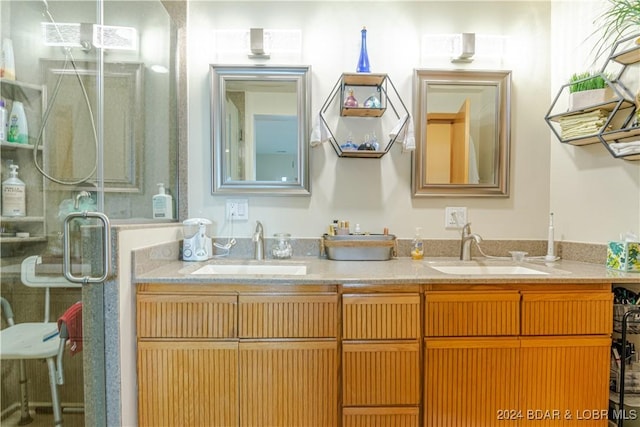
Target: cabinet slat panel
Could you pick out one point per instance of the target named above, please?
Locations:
(187, 383)
(289, 384)
(389, 316)
(186, 316)
(567, 313)
(568, 375)
(381, 417)
(450, 314)
(381, 374)
(288, 316)
(469, 386)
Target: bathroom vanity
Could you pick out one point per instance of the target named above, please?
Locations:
(408, 346)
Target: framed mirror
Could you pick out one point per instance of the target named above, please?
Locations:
(260, 129)
(462, 128)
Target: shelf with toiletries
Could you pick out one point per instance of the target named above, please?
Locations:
(22, 219)
(363, 114)
(613, 119)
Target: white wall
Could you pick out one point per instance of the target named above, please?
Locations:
(594, 195)
(377, 192)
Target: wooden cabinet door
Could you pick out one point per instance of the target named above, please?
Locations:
(380, 316)
(567, 312)
(173, 315)
(568, 375)
(471, 313)
(288, 315)
(470, 381)
(388, 416)
(289, 383)
(187, 383)
(381, 373)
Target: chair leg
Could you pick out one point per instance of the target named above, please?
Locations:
(55, 400)
(25, 416)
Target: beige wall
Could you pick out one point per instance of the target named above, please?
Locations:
(596, 196)
(377, 193)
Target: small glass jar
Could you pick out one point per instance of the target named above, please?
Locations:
(282, 249)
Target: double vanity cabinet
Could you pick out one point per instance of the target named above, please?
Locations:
(432, 355)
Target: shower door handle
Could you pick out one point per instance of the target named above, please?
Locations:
(106, 249)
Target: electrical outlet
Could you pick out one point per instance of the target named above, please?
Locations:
(455, 217)
(237, 209)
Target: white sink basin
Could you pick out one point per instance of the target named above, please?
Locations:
(486, 269)
(253, 269)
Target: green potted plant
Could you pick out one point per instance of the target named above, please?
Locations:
(621, 19)
(587, 89)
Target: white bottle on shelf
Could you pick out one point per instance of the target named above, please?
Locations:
(14, 194)
(162, 204)
(18, 131)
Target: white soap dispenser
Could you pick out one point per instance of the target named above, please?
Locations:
(14, 194)
(162, 204)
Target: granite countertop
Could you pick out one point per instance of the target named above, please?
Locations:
(401, 270)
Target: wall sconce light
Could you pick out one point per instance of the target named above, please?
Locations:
(86, 36)
(462, 48)
(257, 43)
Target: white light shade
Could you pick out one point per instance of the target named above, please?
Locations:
(80, 35)
(61, 34)
(113, 37)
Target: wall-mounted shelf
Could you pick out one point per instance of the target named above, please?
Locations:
(33, 98)
(618, 122)
(363, 121)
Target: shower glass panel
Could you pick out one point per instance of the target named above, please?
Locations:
(98, 84)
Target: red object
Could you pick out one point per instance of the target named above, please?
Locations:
(72, 319)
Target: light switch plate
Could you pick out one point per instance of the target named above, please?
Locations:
(455, 217)
(237, 210)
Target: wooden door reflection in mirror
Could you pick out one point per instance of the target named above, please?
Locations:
(462, 133)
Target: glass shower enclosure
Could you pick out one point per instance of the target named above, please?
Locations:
(98, 82)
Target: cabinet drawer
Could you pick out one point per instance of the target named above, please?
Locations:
(288, 316)
(451, 314)
(186, 316)
(567, 313)
(389, 316)
(386, 373)
(401, 416)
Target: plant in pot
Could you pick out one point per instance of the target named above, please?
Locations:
(588, 89)
(619, 20)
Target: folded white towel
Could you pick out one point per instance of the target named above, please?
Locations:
(404, 133)
(625, 148)
(320, 133)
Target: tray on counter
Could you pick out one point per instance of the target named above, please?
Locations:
(359, 247)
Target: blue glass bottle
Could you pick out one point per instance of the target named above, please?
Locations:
(363, 62)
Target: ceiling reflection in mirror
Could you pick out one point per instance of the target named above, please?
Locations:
(462, 133)
(259, 129)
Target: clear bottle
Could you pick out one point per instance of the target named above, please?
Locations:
(417, 246)
(282, 249)
(14, 194)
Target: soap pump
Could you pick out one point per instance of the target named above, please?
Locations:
(13, 194)
(162, 204)
(417, 246)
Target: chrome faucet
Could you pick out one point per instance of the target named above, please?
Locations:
(258, 242)
(465, 243)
